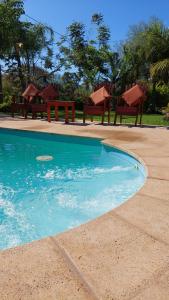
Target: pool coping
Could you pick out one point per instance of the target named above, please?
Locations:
(128, 260)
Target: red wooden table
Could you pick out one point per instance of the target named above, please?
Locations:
(58, 103)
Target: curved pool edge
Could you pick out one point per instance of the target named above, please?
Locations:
(132, 155)
(121, 254)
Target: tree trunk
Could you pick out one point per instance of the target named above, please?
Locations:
(20, 74)
(28, 67)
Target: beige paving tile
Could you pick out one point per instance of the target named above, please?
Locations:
(149, 151)
(159, 172)
(156, 188)
(37, 271)
(158, 291)
(155, 292)
(115, 253)
(116, 258)
(148, 214)
(157, 161)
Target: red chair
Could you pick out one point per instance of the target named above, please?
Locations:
(34, 101)
(24, 104)
(131, 104)
(49, 93)
(98, 103)
(18, 107)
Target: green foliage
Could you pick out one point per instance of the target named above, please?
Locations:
(68, 84)
(92, 60)
(23, 43)
(97, 19)
(10, 12)
(5, 107)
(162, 91)
(166, 109)
(160, 70)
(103, 35)
(27, 52)
(147, 45)
(9, 89)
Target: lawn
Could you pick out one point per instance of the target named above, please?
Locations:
(148, 119)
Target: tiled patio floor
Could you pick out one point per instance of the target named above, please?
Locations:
(122, 255)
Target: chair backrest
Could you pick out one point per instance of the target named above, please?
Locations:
(100, 96)
(30, 93)
(50, 92)
(134, 96)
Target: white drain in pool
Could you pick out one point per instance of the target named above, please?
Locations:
(44, 158)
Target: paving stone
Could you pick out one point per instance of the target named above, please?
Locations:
(38, 271)
(116, 258)
(149, 214)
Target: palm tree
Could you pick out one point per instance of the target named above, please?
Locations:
(160, 70)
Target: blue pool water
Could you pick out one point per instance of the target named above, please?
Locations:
(40, 198)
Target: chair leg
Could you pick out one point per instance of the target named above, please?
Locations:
(136, 120)
(120, 119)
(141, 119)
(26, 114)
(115, 119)
(91, 118)
(109, 117)
(102, 119)
(84, 118)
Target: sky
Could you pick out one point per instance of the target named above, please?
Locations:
(119, 15)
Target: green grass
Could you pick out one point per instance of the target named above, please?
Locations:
(154, 120)
(148, 119)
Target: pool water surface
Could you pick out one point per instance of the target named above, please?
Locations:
(52, 183)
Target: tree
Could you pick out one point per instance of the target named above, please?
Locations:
(69, 83)
(92, 60)
(159, 71)
(147, 44)
(10, 13)
(23, 44)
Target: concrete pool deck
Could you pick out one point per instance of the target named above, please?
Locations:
(124, 254)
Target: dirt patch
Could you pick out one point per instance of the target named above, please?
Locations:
(117, 135)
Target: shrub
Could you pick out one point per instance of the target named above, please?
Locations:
(162, 91)
(5, 107)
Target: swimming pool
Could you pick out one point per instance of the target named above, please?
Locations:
(51, 183)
